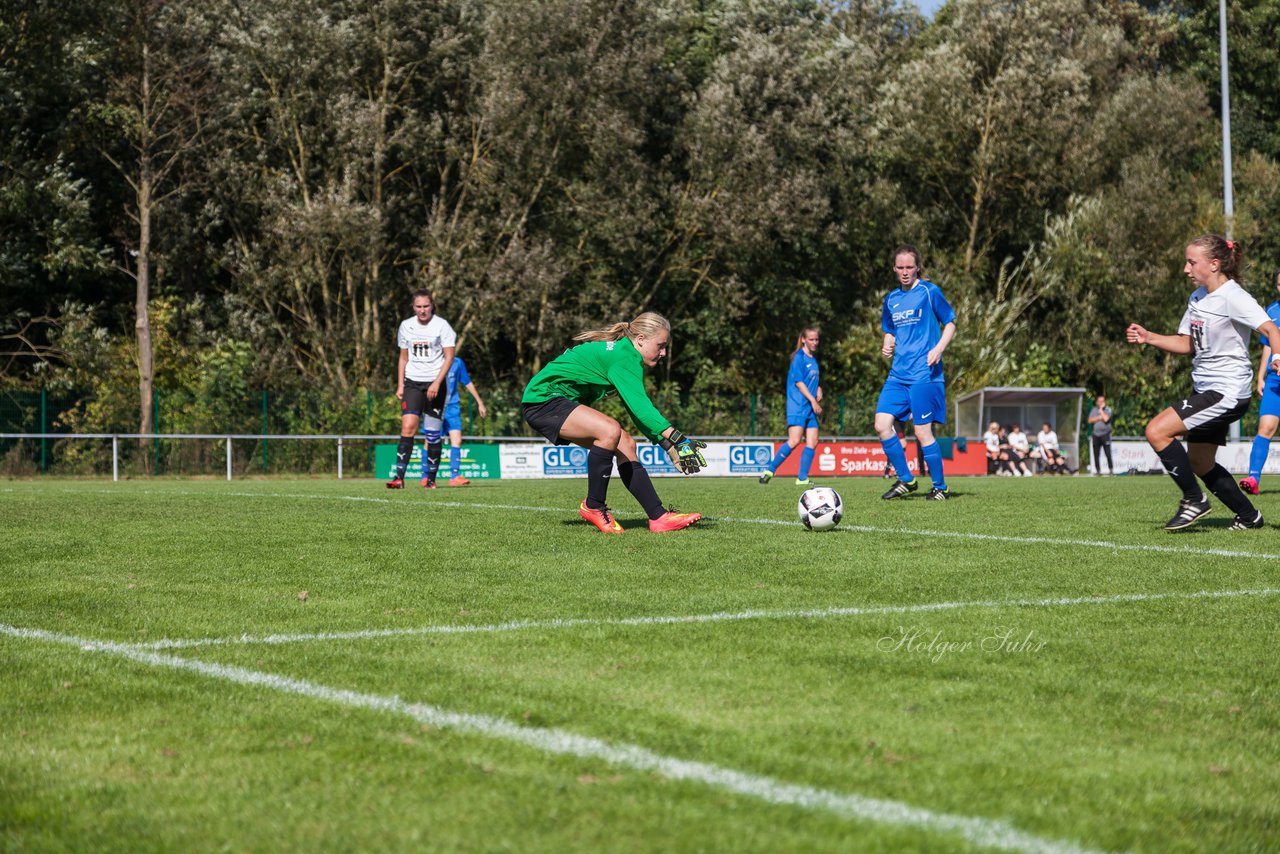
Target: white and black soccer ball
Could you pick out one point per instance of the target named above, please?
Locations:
(820, 508)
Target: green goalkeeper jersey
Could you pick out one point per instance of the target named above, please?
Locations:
(588, 372)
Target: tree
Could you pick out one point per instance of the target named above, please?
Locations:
(151, 119)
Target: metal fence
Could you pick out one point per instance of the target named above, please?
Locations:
(297, 432)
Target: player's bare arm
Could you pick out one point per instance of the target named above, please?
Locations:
(404, 361)
(1273, 363)
(434, 388)
(1179, 344)
(935, 355)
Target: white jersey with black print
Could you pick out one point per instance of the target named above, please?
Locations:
(425, 343)
(1047, 441)
(992, 441)
(1220, 325)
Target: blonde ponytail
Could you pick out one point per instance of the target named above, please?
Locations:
(647, 324)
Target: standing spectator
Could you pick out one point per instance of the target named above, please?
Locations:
(557, 404)
(1215, 332)
(1049, 450)
(918, 324)
(427, 343)
(456, 379)
(804, 405)
(1269, 408)
(1100, 421)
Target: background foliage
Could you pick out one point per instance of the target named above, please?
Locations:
(744, 167)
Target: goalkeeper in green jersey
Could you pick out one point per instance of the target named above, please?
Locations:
(557, 403)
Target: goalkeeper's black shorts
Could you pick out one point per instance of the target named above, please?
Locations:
(549, 416)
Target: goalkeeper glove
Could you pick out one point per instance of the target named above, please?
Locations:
(685, 453)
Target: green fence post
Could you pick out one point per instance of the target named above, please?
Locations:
(264, 431)
(368, 445)
(751, 431)
(44, 428)
(840, 404)
(471, 413)
(155, 425)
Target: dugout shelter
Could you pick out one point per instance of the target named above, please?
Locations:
(1030, 407)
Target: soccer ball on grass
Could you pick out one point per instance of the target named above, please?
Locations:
(820, 508)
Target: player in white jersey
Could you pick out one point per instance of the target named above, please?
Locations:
(1215, 332)
(427, 344)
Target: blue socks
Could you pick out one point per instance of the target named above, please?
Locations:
(455, 461)
(933, 460)
(1258, 456)
(898, 458)
(780, 457)
(806, 460)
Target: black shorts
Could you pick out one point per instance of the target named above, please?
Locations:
(549, 416)
(1208, 415)
(415, 400)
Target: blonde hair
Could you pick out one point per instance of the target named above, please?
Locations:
(647, 324)
(803, 333)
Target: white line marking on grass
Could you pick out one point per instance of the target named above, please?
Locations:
(719, 617)
(993, 833)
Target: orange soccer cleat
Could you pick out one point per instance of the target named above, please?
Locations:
(673, 521)
(602, 518)
(1249, 485)
(458, 481)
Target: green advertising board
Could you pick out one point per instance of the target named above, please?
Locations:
(478, 462)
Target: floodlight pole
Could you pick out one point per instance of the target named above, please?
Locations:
(1228, 202)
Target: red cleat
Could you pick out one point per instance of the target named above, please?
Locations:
(601, 518)
(428, 483)
(1250, 485)
(673, 521)
(459, 481)
(395, 483)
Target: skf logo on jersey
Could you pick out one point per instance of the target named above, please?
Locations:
(910, 317)
(653, 458)
(609, 345)
(749, 458)
(564, 460)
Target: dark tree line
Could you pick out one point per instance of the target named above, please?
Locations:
(219, 196)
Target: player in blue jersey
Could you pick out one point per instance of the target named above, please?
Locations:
(455, 380)
(918, 324)
(1269, 409)
(804, 405)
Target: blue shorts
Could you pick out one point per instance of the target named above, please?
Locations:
(451, 419)
(920, 403)
(805, 419)
(1270, 401)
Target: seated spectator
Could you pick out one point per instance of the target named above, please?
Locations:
(1050, 454)
(1022, 446)
(991, 439)
(1018, 448)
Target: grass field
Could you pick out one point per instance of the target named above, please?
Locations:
(1033, 666)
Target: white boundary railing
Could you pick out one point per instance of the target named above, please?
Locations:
(231, 438)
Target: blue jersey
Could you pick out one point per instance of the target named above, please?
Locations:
(804, 370)
(915, 319)
(1273, 312)
(456, 380)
